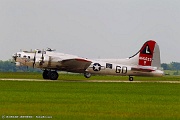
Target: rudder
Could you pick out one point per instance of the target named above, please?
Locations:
(148, 55)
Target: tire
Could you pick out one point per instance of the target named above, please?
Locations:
(53, 75)
(87, 75)
(45, 74)
(131, 78)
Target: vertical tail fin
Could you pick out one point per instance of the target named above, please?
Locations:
(148, 55)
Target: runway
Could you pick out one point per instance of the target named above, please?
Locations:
(96, 81)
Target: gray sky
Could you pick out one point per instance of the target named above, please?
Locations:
(90, 28)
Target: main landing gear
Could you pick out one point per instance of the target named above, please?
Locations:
(87, 75)
(52, 75)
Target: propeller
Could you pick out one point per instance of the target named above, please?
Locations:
(42, 58)
(34, 60)
(15, 56)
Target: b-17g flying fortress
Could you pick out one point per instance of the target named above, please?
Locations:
(146, 62)
(129, 38)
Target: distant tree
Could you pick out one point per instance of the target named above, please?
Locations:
(165, 66)
(171, 66)
(9, 66)
(175, 65)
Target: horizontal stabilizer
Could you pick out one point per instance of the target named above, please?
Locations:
(142, 69)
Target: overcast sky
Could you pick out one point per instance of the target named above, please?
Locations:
(90, 28)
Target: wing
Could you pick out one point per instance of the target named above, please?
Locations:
(75, 65)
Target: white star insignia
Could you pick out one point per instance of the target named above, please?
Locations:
(96, 67)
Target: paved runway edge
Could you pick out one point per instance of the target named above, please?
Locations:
(100, 81)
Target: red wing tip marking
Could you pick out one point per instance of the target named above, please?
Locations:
(82, 60)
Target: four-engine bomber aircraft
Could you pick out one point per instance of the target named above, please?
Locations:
(146, 62)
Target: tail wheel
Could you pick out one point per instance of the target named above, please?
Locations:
(131, 78)
(53, 75)
(87, 75)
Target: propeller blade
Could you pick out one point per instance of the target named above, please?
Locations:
(14, 57)
(42, 58)
(34, 60)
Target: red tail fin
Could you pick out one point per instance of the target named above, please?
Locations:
(146, 53)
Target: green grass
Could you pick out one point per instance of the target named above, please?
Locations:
(21, 75)
(86, 101)
(172, 72)
(63, 76)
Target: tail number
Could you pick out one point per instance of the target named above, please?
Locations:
(145, 59)
(121, 70)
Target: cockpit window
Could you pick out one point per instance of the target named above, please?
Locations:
(44, 52)
(39, 51)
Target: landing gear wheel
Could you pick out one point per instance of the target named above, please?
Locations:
(130, 78)
(87, 75)
(45, 74)
(53, 75)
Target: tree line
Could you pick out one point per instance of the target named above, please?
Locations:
(171, 66)
(9, 66)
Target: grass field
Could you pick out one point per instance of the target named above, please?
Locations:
(63, 76)
(83, 100)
